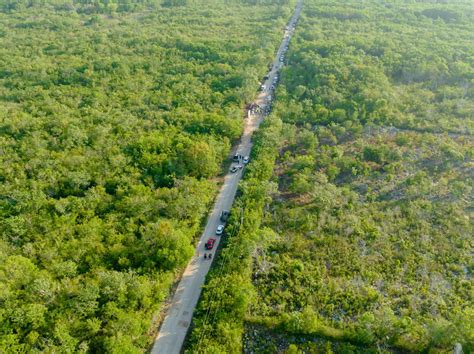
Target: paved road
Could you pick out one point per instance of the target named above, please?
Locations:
(178, 318)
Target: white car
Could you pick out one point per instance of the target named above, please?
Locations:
(246, 160)
(220, 230)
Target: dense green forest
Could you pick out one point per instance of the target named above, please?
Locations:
(121, 6)
(357, 231)
(113, 128)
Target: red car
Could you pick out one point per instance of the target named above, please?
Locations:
(210, 244)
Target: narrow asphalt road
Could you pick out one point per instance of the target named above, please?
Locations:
(173, 330)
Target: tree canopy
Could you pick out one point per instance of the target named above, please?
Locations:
(114, 124)
(364, 242)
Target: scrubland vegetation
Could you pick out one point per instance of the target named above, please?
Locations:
(115, 118)
(357, 211)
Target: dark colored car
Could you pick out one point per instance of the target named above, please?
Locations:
(237, 157)
(225, 215)
(210, 244)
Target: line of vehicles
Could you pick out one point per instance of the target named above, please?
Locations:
(238, 159)
(241, 160)
(263, 87)
(269, 87)
(209, 245)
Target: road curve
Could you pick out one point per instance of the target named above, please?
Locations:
(173, 330)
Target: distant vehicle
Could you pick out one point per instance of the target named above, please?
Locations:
(265, 77)
(263, 87)
(210, 244)
(220, 230)
(246, 160)
(282, 58)
(240, 167)
(237, 157)
(234, 169)
(224, 215)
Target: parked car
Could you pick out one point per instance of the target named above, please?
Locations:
(210, 243)
(237, 157)
(246, 160)
(220, 230)
(224, 215)
(234, 169)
